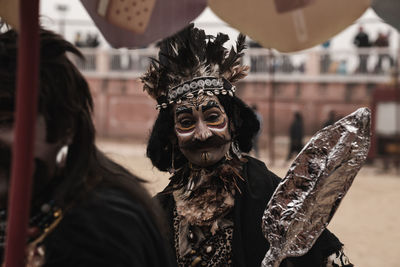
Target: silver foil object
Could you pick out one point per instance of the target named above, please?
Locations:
(306, 199)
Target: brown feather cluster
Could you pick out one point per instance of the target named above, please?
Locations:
(206, 195)
(189, 54)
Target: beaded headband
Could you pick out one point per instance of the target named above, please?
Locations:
(197, 87)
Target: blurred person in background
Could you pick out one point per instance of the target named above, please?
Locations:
(330, 120)
(361, 41)
(86, 210)
(296, 134)
(325, 60)
(78, 40)
(382, 42)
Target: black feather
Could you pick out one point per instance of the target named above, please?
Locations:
(234, 56)
(215, 51)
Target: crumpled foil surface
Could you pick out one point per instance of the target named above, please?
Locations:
(318, 179)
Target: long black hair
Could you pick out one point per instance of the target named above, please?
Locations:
(66, 104)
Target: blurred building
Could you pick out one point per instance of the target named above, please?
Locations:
(294, 83)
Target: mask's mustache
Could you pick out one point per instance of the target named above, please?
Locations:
(213, 141)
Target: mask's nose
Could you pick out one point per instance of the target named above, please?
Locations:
(202, 132)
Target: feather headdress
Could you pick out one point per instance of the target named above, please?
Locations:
(191, 63)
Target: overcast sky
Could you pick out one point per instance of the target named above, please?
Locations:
(81, 21)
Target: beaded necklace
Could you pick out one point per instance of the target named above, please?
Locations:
(40, 223)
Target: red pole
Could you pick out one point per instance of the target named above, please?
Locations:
(26, 112)
(271, 102)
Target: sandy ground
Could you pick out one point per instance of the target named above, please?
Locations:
(367, 221)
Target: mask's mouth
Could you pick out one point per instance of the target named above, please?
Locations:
(212, 142)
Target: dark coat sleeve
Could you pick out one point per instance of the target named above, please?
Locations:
(108, 229)
(167, 204)
(249, 244)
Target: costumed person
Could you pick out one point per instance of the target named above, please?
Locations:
(86, 210)
(217, 193)
(296, 133)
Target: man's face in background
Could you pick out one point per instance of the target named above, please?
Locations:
(44, 152)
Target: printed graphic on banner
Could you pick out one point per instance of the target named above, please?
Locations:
(132, 15)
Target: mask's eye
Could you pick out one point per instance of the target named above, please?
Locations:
(213, 117)
(186, 122)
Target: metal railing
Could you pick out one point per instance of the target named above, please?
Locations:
(369, 65)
